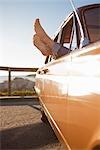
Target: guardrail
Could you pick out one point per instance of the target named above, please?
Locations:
(10, 69)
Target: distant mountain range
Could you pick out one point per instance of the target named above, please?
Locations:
(18, 84)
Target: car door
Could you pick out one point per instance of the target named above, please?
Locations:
(52, 85)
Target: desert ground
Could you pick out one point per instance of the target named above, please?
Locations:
(21, 128)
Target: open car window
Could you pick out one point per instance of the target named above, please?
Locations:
(67, 36)
(67, 30)
(70, 36)
(58, 40)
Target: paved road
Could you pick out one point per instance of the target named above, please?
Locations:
(22, 129)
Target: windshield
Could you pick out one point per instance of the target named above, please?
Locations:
(92, 19)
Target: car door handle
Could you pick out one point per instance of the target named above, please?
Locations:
(43, 71)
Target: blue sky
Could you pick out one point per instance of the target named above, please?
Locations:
(16, 28)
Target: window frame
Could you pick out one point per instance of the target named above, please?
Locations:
(60, 35)
(84, 19)
(76, 29)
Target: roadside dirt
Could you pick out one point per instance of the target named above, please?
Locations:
(22, 129)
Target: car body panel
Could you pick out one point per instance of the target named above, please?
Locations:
(84, 96)
(72, 98)
(69, 93)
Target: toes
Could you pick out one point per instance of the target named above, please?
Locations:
(37, 25)
(37, 21)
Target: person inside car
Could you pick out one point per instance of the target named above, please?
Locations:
(45, 44)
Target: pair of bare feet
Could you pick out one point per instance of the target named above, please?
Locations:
(41, 40)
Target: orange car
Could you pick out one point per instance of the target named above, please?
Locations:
(69, 87)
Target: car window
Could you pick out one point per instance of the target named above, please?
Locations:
(70, 35)
(67, 36)
(92, 19)
(73, 39)
(57, 39)
(73, 44)
(67, 30)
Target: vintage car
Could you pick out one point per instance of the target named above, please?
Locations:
(69, 87)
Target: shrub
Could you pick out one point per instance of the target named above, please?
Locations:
(19, 93)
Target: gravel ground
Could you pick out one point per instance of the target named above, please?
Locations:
(21, 128)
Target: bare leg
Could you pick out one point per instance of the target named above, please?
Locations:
(42, 34)
(45, 50)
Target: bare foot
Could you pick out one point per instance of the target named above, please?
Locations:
(45, 50)
(42, 34)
